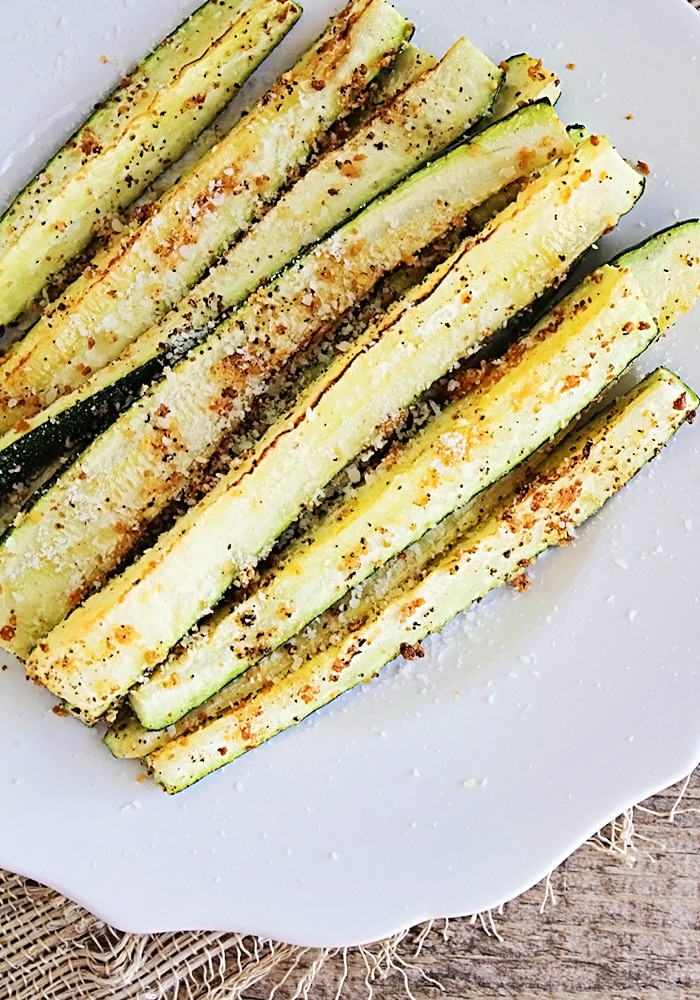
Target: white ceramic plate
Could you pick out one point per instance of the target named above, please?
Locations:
(455, 782)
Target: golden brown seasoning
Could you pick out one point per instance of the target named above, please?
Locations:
(89, 143)
(410, 652)
(519, 582)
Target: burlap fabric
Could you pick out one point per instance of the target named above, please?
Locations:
(52, 949)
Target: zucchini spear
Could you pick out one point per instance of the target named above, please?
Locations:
(419, 123)
(134, 282)
(50, 560)
(458, 563)
(120, 633)
(146, 124)
(526, 80)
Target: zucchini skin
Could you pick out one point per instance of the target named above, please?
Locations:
(134, 282)
(487, 544)
(416, 125)
(26, 455)
(179, 89)
(115, 640)
(125, 478)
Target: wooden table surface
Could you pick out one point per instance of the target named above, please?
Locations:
(615, 932)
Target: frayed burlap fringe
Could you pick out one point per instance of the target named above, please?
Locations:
(52, 949)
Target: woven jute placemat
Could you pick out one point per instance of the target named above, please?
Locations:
(52, 949)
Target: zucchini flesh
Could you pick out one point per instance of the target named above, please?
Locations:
(146, 124)
(101, 649)
(130, 285)
(122, 481)
(542, 383)
(417, 124)
(492, 544)
(675, 251)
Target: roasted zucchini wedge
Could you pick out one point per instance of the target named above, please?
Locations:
(146, 124)
(122, 481)
(130, 285)
(526, 80)
(120, 633)
(483, 546)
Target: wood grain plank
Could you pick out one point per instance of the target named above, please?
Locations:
(617, 932)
